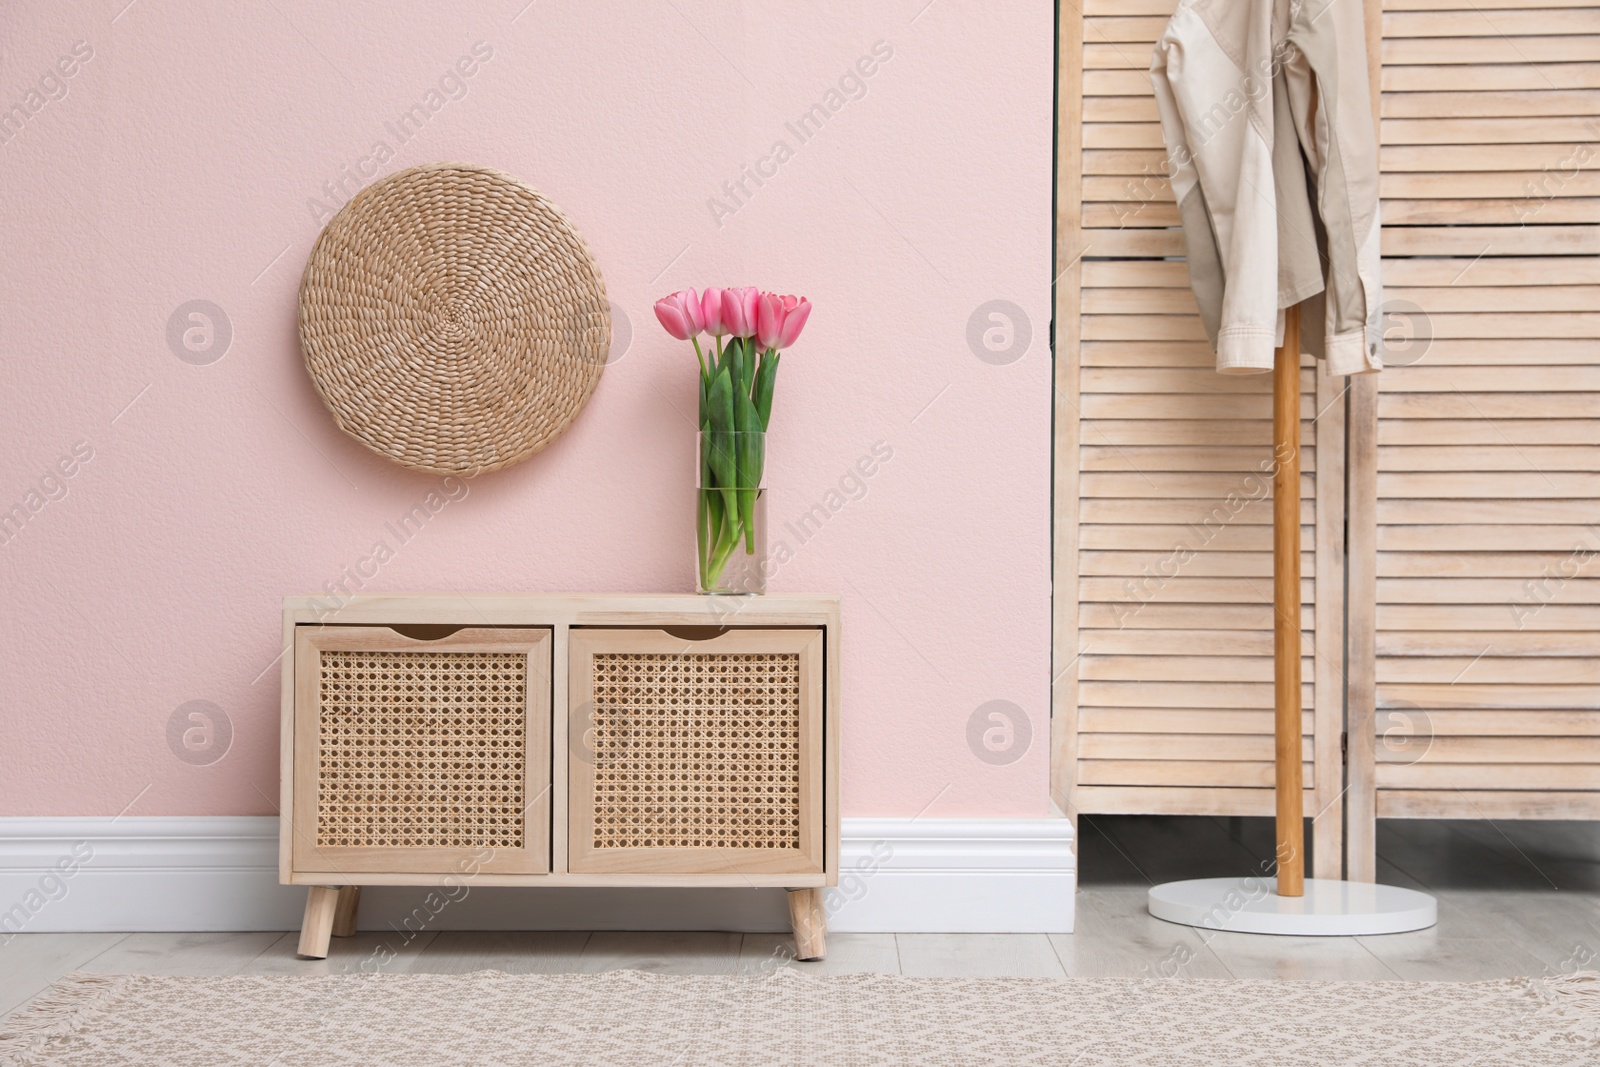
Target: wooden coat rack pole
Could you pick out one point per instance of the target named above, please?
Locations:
(1301, 906)
(1286, 606)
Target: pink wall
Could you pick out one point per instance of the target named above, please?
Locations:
(176, 163)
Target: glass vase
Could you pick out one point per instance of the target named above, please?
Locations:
(731, 513)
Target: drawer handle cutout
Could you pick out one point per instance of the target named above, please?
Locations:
(696, 633)
(423, 631)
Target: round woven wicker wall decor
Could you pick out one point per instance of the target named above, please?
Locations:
(453, 319)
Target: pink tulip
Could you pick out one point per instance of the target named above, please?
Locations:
(769, 320)
(675, 317)
(711, 311)
(691, 308)
(740, 310)
(796, 311)
(750, 297)
(733, 312)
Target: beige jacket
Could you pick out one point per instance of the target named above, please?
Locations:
(1258, 100)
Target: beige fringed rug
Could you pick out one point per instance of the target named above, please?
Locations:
(626, 1017)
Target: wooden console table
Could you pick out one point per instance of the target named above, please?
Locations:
(573, 740)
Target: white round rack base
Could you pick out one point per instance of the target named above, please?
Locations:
(1329, 908)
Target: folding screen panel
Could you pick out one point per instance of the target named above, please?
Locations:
(1484, 485)
(1163, 594)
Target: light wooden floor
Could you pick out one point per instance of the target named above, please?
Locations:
(1514, 899)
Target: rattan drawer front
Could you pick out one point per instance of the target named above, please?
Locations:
(695, 757)
(422, 756)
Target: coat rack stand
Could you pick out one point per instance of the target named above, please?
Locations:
(1301, 906)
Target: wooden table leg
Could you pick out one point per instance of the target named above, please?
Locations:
(344, 916)
(317, 926)
(810, 923)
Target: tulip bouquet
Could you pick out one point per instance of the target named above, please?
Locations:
(738, 368)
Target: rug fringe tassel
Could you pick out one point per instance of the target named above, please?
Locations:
(1574, 996)
(53, 1013)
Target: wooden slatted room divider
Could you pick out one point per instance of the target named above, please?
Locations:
(1483, 699)
(1163, 594)
(1473, 472)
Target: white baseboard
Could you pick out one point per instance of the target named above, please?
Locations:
(221, 873)
(954, 876)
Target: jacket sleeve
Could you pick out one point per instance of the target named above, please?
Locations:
(1216, 120)
(1326, 73)
(1199, 239)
